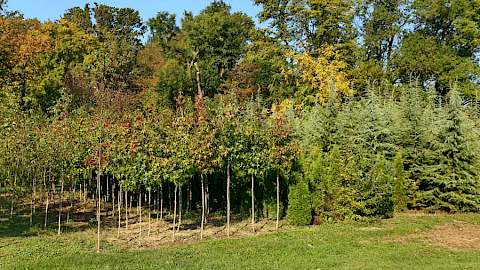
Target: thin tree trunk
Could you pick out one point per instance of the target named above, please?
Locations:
(140, 210)
(203, 208)
(253, 205)
(278, 202)
(138, 202)
(113, 200)
(149, 210)
(199, 87)
(174, 213)
(107, 197)
(61, 209)
(207, 199)
(12, 203)
(130, 205)
(161, 202)
(46, 208)
(98, 209)
(169, 191)
(157, 203)
(126, 209)
(34, 193)
(189, 197)
(119, 211)
(71, 203)
(84, 194)
(228, 199)
(179, 208)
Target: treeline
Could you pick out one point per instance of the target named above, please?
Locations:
(341, 110)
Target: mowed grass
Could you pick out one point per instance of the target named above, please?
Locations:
(385, 244)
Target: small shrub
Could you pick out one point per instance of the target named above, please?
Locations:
(299, 206)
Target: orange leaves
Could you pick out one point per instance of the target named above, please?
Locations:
(21, 44)
(92, 160)
(200, 109)
(126, 127)
(280, 127)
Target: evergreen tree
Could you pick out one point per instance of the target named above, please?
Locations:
(299, 207)
(399, 184)
(448, 177)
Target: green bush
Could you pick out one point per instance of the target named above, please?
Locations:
(299, 206)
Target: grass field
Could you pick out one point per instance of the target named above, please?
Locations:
(408, 241)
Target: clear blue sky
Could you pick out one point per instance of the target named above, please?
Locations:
(53, 9)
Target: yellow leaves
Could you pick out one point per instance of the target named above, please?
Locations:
(279, 110)
(324, 74)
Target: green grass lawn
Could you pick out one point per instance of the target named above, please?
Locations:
(387, 244)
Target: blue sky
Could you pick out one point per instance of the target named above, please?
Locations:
(53, 9)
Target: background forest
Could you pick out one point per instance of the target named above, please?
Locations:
(335, 110)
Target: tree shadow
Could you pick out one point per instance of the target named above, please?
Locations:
(23, 224)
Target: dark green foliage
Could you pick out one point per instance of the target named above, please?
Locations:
(399, 184)
(332, 195)
(448, 178)
(163, 27)
(299, 207)
(376, 190)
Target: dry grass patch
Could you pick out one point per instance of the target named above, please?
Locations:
(458, 235)
(160, 232)
(455, 236)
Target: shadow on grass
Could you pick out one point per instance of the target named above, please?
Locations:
(20, 224)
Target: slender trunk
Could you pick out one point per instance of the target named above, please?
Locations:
(169, 198)
(113, 201)
(130, 204)
(253, 204)
(61, 209)
(107, 196)
(161, 202)
(174, 213)
(126, 209)
(149, 210)
(189, 197)
(84, 193)
(199, 87)
(278, 202)
(228, 198)
(179, 208)
(71, 204)
(138, 201)
(44, 180)
(203, 208)
(98, 210)
(12, 203)
(157, 203)
(119, 211)
(46, 208)
(207, 199)
(140, 210)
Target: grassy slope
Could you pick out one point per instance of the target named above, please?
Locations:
(340, 246)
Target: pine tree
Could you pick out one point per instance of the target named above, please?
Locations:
(449, 179)
(399, 185)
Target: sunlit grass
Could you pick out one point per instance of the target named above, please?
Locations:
(340, 246)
